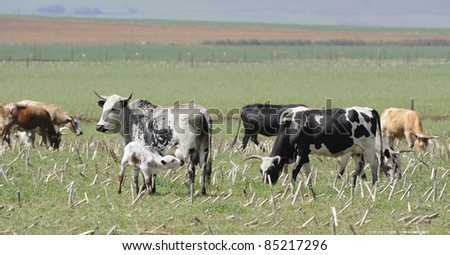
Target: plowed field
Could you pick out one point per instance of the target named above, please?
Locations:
(45, 31)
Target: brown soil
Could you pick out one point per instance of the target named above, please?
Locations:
(42, 31)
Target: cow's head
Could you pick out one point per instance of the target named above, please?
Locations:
(422, 141)
(270, 167)
(112, 117)
(392, 162)
(170, 161)
(74, 124)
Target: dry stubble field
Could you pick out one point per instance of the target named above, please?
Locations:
(73, 191)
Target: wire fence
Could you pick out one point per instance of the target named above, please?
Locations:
(221, 53)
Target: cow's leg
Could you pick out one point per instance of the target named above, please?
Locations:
(191, 173)
(245, 140)
(307, 170)
(32, 137)
(123, 166)
(303, 161)
(148, 184)
(205, 164)
(136, 179)
(391, 141)
(254, 139)
(298, 166)
(359, 165)
(153, 177)
(410, 139)
(6, 134)
(44, 135)
(343, 160)
(374, 163)
(147, 178)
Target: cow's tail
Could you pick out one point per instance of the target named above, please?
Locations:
(208, 167)
(380, 135)
(237, 133)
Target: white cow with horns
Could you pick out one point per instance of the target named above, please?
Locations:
(183, 131)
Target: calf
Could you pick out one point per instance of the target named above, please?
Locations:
(260, 119)
(327, 132)
(148, 161)
(30, 118)
(403, 123)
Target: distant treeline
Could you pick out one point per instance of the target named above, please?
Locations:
(337, 42)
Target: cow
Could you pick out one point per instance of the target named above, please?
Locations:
(30, 118)
(186, 128)
(391, 164)
(332, 132)
(59, 117)
(148, 161)
(397, 123)
(3, 112)
(260, 119)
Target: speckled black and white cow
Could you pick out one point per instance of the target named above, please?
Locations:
(183, 128)
(329, 132)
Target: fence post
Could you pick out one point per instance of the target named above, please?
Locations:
(379, 57)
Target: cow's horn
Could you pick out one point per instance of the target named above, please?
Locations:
(404, 151)
(100, 96)
(433, 136)
(127, 99)
(63, 129)
(254, 157)
(277, 157)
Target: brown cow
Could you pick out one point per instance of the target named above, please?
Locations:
(29, 118)
(59, 117)
(403, 123)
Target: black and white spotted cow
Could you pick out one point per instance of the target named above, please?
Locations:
(349, 132)
(184, 130)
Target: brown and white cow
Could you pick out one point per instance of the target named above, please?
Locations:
(397, 123)
(29, 118)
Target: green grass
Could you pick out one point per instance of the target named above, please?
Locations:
(222, 87)
(217, 53)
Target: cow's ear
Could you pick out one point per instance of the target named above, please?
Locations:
(387, 153)
(68, 120)
(125, 103)
(101, 103)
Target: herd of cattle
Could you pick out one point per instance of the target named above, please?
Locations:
(158, 138)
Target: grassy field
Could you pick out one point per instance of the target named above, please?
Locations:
(74, 190)
(224, 53)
